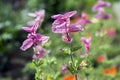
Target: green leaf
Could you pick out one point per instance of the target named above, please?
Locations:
(76, 48)
(71, 69)
(66, 50)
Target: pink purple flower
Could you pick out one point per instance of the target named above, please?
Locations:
(33, 28)
(62, 25)
(66, 37)
(102, 14)
(84, 19)
(39, 16)
(33, 39)
(62, 22)
(87, 43)
(111, 32)
(99, 8)
(64, 68)
(101, 4)
(39, 52)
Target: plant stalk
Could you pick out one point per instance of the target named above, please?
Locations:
(72, 60)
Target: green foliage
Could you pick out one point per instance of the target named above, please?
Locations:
(11, 37)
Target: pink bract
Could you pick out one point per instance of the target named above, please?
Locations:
(39, 52)
(34, 39)
(84, 19)
(66, 37)
(64, 68)
(101, 4)
(62, 25)
(39, 15)
(33, 28)
(87, 43)
(102, 15)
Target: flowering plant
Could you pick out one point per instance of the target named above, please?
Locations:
(78, 57)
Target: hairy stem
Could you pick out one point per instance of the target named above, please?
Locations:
(76, 77)
(72, 60)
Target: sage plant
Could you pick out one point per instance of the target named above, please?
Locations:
(35, 40)
(63, 26)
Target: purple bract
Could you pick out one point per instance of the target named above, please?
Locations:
(87, 43)
(101, 4)
(62, 25)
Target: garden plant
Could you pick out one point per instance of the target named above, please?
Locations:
(72, 40)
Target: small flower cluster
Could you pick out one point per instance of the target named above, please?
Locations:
(99, 8)
(35, 39)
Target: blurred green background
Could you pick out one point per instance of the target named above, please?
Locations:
(13, 15)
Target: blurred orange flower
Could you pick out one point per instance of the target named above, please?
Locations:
(75, 19)
(100, 59)
(111, 70)
(69, 77)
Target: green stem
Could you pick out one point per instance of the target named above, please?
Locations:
(76, 77)
(71, 56)
(72, 60)
(87, 74)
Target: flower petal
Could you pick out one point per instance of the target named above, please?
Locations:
(30, 23)
(27, 29)
(66, 37)
(64, 68)
(102, 15)
(40, 13)
(32, 14)
(101, 4)
(26, 44)
(56, 16)
(59, 26)
(69, 14)
(75, 28)
(35, 26)
(44, 39)
(84, 19)
(87, 43)
(84, 15)
(82, 22)
(40, 16)
(41, 52)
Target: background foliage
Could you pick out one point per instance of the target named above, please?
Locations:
(13, 15)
